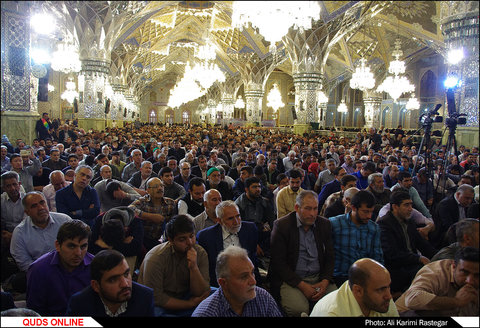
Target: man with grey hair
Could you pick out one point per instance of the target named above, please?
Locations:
(134, 166)
(57, 182)
(238, 294)
(325, 176)
(466, 235)
(208, 218)
(451, 210)
(302, 256)
(124, 195)
(139, 179)
(79, 200)
(381, 194)
(230, 230)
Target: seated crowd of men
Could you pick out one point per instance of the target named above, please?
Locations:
(176, 221)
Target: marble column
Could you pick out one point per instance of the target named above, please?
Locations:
(459, 23)
(307, 85)
(253, 99)
(92, 79)
(18, 101)
(227, 102)
(372, 111)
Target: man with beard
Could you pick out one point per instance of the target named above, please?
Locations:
(176, 270)
(302, 257)
(366, 293)
(355, 235)
(230, 230)
(444, 288)
(214, 181)
(238, 294)
(405, 251)
(57, 275)
(381, 194)
(286, 197)
(257, 209)
(112, 293)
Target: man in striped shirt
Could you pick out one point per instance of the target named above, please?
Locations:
(355, 235)
(238, 295)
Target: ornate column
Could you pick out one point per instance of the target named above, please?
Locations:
(253, 100)
(18, 101)
(227, 102)
(307, 85)
(459, 24)
(92, 79)
(372, 115)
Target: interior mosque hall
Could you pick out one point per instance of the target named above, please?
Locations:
(300, 66)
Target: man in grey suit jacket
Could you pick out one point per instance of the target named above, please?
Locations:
(301, 274)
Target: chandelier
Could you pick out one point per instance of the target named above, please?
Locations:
(206, 52)
(342, 108)
(274, 98)
(412, 103)
(239, 103)
(321, 97)
(267, 14)
(362, 79)
(396, 84)
(66, 58)
(70, 93)
(206, 74)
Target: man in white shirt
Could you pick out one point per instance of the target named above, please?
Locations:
(57, 182)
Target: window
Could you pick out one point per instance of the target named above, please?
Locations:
(186, 117)
(153, 117)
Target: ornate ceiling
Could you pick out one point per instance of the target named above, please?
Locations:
(149, 42)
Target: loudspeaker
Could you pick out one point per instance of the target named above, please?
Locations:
(294, 114)
(75, 105)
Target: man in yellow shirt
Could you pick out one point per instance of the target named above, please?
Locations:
(287, 196)
(366, 293)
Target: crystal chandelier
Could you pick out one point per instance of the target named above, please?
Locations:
(342, 108)
(322, 98)
(412, 103)
(274, 98)
(266, 14)
(206, 52)
(362, 78)
(207, 73)
(239, 103)
(70, 93)
(66, 58)
(396, 84)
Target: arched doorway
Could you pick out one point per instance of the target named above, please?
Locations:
(152, 117)
(169, 116)
(186, 117)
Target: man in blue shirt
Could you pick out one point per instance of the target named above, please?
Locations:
(238, 295)
(362, 175)
(331, 187)
(79, 200)
(57, 275)
(355, 235)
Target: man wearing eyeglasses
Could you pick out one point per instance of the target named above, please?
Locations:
(155, 210)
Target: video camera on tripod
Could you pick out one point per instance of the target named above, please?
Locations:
(454, 118)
